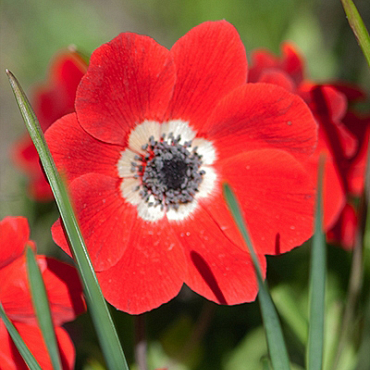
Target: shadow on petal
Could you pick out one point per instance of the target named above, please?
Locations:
(208, 276)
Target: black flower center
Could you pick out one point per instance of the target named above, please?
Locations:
(169, 171)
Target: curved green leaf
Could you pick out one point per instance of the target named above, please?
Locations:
(18, 341)
(275, 338)
(358, 27)
(317, 285)
(97, 305)
(42, 308)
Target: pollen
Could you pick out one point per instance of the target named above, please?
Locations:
(169, 171)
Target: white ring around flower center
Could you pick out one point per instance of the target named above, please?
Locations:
(139, 137)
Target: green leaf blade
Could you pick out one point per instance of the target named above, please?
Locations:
(274, 334)
(42, 308)
(317, 282)
(18, 341)
(358, 27)
(97, 305)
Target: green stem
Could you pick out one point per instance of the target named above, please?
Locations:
(358, 27)
(97, 305)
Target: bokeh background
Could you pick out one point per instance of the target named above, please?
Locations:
(32, 31)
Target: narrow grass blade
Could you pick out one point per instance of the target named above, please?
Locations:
(18, 341)
(317, 285)
(97, 305)
(275, 339)
(358, 27)
(42, 308)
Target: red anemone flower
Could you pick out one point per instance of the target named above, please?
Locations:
(343, 135)
(155, 134)
(329, 106)
(50, 101)
(359, 126)
(63, 289)
(344, 231)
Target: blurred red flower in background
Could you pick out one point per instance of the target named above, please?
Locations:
(155, 134)
(358, 124)
(344, 230)
(50, 101)
(64, 292)
(343, 134)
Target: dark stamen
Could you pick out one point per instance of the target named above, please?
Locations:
(169, 172)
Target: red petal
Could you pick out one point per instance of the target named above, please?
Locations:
(14, 234)
(210, 62)
(335, 102)
(151, 271)
(344, 231)
(261, 60)
(66, 349)
(358, 124)
(277, 198)
(329, 106)
(24, 155)
(51, 101)
(76, 152)
(217, 269)
(258, 116)
(356, 173)
(14, 292)
(352, 92)
(276, 77)
(292, 62)
(129, 79)
(333, 191)
(66, 72)
(105, 219)
(62, 285)
(63, 288)
(10, 358)
(39, 188)
(56, 98)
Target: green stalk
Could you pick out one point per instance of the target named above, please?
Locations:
(42, 308)
(97, 305)
(358, 27)
(274, 334)
(18, 341)
(317, 285)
